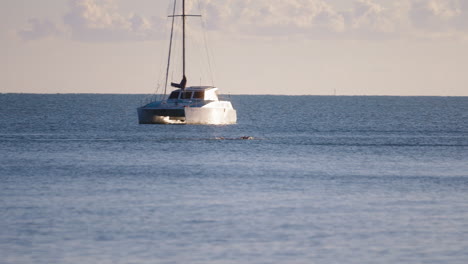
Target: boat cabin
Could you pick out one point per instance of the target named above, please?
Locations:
(202, 93)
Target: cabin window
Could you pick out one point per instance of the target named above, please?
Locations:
(199, 95)
(174, 95)
(187, 95)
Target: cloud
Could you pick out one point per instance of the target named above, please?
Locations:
(435, 14)
(97, 21)
(101, 20)
(273, 17)
(368, 19)
(369, 16)
(39, 29)
(309, 18)
(440, 18)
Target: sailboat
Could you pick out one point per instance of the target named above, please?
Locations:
(187, 104)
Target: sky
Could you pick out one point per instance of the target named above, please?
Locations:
(291, 47)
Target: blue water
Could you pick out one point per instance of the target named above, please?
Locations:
(325, 180)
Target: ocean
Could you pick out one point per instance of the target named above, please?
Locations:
(325, 179)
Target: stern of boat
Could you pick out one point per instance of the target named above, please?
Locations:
(160, 116)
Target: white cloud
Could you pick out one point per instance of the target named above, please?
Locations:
(435, 14)
(309, 18)
(320, 19)
(372, 17)
(273, 17)
(444, 9)
(96, 20)
(440, 18)
(101, 20)
(39, 29)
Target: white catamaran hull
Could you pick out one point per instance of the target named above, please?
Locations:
(191, 115)
(212, 116)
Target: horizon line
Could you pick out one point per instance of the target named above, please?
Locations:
(228, 94)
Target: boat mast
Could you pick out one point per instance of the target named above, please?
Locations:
(183, 83)
(183, 40)
(170, 46)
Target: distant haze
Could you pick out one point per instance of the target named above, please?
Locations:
(317, 47)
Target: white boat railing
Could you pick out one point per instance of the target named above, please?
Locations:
(151, 98)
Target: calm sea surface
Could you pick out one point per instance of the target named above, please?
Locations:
(326, 180)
